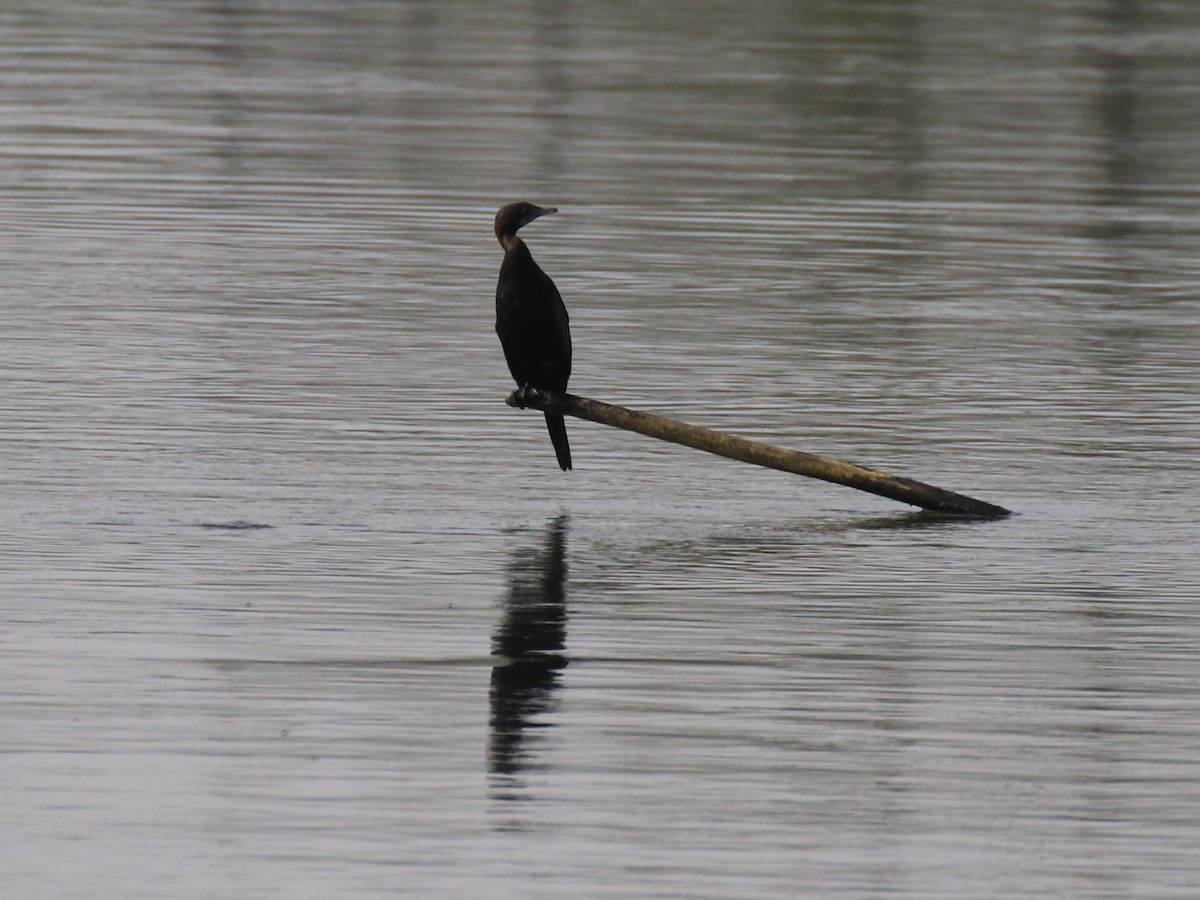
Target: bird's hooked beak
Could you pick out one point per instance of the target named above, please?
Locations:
(536, 212)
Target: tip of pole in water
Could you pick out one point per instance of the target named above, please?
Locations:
(894, 487)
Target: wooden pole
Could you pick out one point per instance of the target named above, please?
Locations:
(808, 464)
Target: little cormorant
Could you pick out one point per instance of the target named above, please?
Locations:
(531, 320)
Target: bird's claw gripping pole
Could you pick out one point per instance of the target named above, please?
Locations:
(810, 465)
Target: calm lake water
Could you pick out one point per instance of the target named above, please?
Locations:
(294, 606)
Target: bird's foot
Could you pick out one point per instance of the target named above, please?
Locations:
(526, 396)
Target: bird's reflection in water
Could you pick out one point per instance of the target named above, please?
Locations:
(528, 646)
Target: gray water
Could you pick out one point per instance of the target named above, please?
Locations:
(294, 606)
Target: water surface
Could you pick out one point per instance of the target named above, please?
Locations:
(294, 605)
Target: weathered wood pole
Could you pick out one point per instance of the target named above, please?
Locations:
(891, 486)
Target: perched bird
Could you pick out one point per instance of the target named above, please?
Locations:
(531, 319)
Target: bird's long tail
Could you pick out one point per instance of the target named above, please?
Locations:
(557, 427)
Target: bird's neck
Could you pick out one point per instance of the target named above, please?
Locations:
(509, 241)
(514, 246)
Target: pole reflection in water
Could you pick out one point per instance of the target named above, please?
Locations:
(528, 646)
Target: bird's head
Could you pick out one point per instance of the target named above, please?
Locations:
(517, 215)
